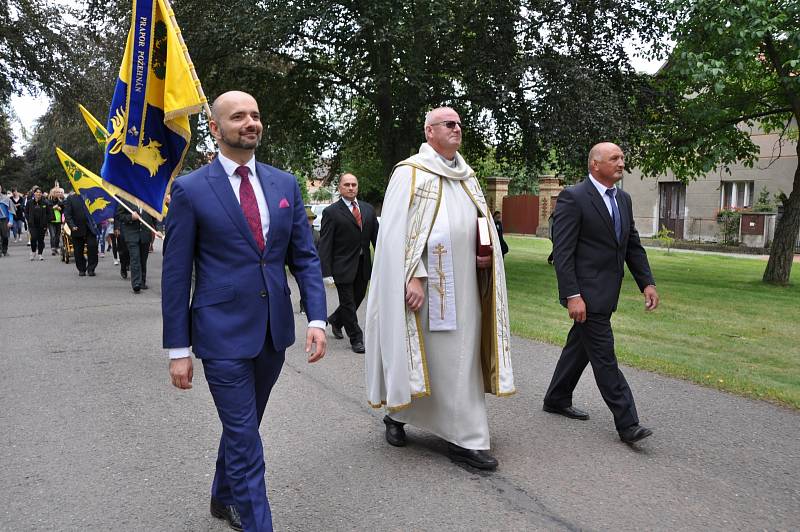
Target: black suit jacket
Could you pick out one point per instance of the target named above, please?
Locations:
(588, 259)
(341, 242)
(77, 215)
(133, 230)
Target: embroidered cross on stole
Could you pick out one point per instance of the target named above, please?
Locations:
(441, 287)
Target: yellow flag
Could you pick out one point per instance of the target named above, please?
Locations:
(96, 193)
(99, 131)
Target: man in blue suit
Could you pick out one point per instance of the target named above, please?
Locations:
(234, 222)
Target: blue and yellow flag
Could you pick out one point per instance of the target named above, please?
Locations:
(96, 194)
(99, 131)
(148, 121)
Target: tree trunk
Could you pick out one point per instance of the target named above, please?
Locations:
(781, 253)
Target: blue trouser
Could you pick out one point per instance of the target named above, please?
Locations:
(17, 228)
(241, 388)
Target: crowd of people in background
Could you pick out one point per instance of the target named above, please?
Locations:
(34, 215)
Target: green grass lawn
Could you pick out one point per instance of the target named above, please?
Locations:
(717, 323)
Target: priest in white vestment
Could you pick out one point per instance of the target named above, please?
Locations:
(437, 327)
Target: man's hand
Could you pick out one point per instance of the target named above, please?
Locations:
(74, 227)
(484, 263)
(577, 309)
(650, 297)
(135, 216)
(181, 371)
(316, 337)
(415, 295)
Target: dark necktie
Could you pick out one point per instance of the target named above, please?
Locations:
(357, 213)
(247, 199)
(611, 193)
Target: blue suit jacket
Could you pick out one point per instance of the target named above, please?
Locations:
(239, 293)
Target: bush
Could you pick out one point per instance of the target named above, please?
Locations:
(665, 236)
(730, 227)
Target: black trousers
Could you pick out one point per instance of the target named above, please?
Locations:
(4, 231)
(138, 252)
(593, 342)
(350, 297)
(124, 256)
(113, 239)
(89, 241)
(37, 238)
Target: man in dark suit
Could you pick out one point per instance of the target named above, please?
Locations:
(83, 234)
(594, 236)
(233, 222)
(137, 238)
(348, 226)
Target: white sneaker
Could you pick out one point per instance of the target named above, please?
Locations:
(116, 262)
(102, 255)
(33, 255)
(41, 257)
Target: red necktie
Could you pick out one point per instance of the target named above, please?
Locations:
(357, 213)
(247, 199)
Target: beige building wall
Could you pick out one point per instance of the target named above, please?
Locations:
(774, 169)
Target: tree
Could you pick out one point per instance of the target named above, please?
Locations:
(736, 66)
(528, 77)
(32, 43)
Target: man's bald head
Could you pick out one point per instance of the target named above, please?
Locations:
(606, 163)
(597, 151)
(443, 139)
(236, 125)
(438, 114)
(224, 101)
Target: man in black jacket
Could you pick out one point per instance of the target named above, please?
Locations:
(348, 226)
(137, 238)
(594, 237)
(83, 234)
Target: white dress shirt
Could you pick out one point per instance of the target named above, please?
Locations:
(235, 180)
(601, 188)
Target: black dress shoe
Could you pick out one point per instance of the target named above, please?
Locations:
(123, 274)
(634, 434)
(81, 274)
(90, 274)
(476, 458)
(569, 411)
(336, 330)
(137, 289)
(228, 512)
(358, 347)
(395, 433)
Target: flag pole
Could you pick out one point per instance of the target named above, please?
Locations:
(157, 233)
(185, 49)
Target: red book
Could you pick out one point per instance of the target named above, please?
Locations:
(484, 240)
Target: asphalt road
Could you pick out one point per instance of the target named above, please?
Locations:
(94, 437)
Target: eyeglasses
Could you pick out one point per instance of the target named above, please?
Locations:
(449, 124)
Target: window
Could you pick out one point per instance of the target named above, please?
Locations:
(736, 195)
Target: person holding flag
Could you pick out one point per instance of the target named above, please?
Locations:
(83, 232)
(134, 225)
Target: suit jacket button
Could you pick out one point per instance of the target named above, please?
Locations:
(263, 293)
